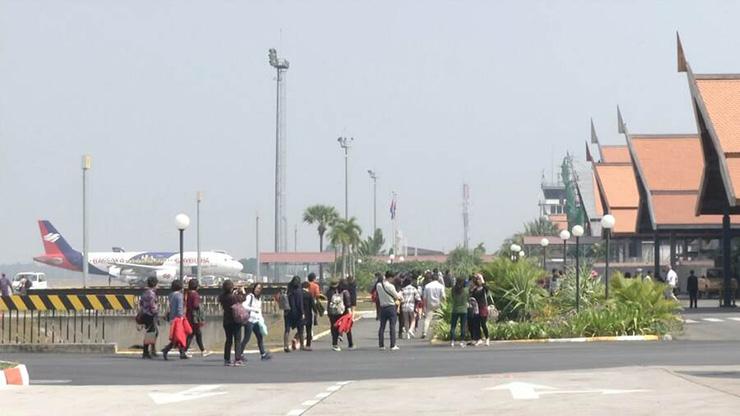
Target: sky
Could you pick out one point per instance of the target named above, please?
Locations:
(174, 96)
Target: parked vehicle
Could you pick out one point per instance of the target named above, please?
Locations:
(38, 281)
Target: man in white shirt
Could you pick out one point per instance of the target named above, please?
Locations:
(672, 280)
(432, 298)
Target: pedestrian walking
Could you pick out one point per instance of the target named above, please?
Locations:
(309, 312)
(692, 285)
(5, 285)
(176, 316)
(479, 292)
(338, 304)
(449, 280)
(459, 311)
(432, 297)
(195, 315)
(256, 323)
(672, 280)
(408, 307)
(294, 315)
(389, 299)
(149, 317)
(350, 285)
(374, 294)
(232, 329)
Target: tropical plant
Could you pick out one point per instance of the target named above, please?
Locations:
(540, 226)
(373, 245)
(463, 262)
(345, 234)
(515, 288)
(591, 290)
(323, 216)
(645, 296)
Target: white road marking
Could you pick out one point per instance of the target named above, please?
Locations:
(198, 392)
(529, 391)
(50, 381)
(308, 404)
(712, 320)
(735, 319)
(690, 321)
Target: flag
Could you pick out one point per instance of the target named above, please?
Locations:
(393, 207)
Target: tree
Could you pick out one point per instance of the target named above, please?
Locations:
(541, 226)
(323, 216)
(345, 233)
(373, 246)
(463, 262)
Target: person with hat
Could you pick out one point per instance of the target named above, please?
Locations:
(338, 304)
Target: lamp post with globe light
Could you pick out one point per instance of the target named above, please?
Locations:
(182, 222)
(516, 251)
(578, 233)
(565, 236)
(544, 243)
(607, 223)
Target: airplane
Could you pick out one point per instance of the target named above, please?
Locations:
(132, 266)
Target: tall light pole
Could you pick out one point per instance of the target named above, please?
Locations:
(607, 223)
(281, 223)
(198, 199)
(374, 178)
(516, 251)
(182, 222)
(565, 236)
(345, 143)
(577, 233)
(257, 245)
(544, 243)
(86, 165)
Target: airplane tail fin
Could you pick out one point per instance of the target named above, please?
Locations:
(54, 243)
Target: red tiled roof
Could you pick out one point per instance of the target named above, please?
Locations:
(615, 154)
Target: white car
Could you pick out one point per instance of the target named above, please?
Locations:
(38, 281)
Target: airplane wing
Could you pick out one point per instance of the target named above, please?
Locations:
(140, 268)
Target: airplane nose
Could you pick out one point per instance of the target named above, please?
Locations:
(238, 266)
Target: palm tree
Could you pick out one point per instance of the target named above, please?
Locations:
(324, 216)
(347, 234)
(372, 246)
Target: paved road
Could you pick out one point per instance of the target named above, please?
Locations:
(416, 359)
(684, 376)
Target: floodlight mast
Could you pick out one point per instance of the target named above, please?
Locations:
(281, 222)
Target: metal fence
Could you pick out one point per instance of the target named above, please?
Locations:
(58, 316)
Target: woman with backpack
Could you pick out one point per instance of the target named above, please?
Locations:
(176, 316)
(256, 324)
(293, 316)
(195, 316)
(338, 304)
(228, 298)
(479, 292)
(149, 314)
(459, 311)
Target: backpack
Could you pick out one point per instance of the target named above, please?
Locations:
(281, 298)
(336, 304)
(241, 315)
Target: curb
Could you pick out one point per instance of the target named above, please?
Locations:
(15, 376)
(108, 348)
(623, 338)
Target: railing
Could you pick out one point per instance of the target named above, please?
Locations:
(94, 315)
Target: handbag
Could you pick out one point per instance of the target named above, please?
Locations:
(492, 310)
(262, 328)
(139, 318)
(199, 316)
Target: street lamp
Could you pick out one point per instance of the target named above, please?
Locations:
(401, 259)
(544, 243)
(516, 251)
(198, 199)
(565, 236)
(607, 223)
(374, 178)
(345, 143)
(577, 233)
(86, 165)
(182, 222)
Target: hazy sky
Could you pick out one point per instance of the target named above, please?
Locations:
(171, 97)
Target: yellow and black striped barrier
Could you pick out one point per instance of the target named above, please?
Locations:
(67, 302)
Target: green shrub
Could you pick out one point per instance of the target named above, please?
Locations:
(591, 290)
(515, 288)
